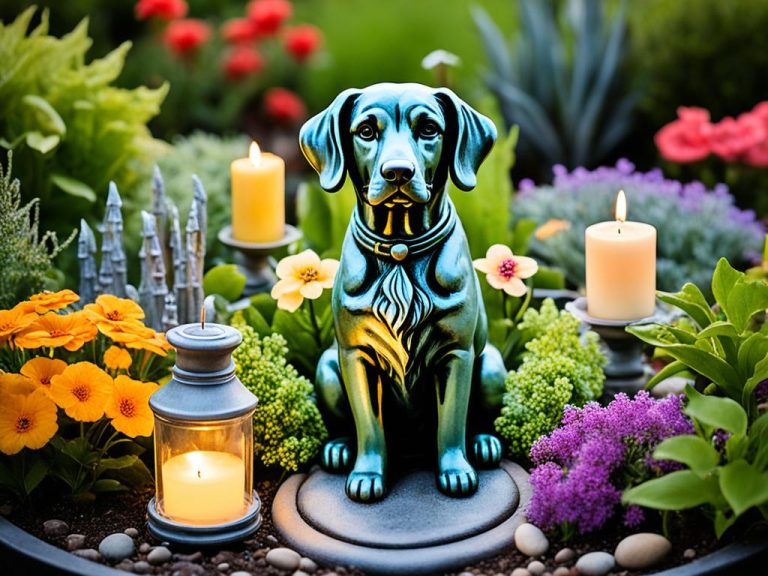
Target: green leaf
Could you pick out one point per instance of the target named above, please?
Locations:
(115, 463)
(746, 298)
(709, 365)
(759, 375)
(35, 474)
(743, 486)
(549, 279)
(719, 328)
(256, 320)
(74, 187)
(43, 144)
(716, 412)
(723, 280)
(691, 301)
(137, 475)
(678, 490)
(670, 369)
(690, 450)
(226, 280)
(657, 335)
(80, 451)
(45, 116)
(108, 485)
(521, 236)
(723, 522)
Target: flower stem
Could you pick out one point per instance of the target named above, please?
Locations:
(315, 325)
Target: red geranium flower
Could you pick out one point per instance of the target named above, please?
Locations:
(268, 15)
(302, 41)
(758, 154)
(733, 138)
(687, 138)
(163, 9)
(242, 61)
(283, 105)
(185, 36)
(239, 30)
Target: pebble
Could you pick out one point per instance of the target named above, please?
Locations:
(116, 547)
(520, 572)
(689, 554)
(240, 573)
(284, 558)
(307, 565)
(672, 385)
(272, 539)
(300, 573)
(124, 565)
(223, 567)
(595, 564)
(75, 541)
(142, 567)
(159, 555)
(194, 557)
(565, 555)
(55, 528)
(186, 569)
(530, 540)
(536, 568)
(466, 574)
(562, 571)
(88, 554)
(145, 547)
(643, 550)
(132, 532)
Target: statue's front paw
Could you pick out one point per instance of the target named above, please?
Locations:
(456, 477)
(365, 486)
(486, 451)
(337, 455)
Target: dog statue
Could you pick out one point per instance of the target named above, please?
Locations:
(410, 323)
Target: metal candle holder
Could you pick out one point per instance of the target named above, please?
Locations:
(625, 371)
(256, 257)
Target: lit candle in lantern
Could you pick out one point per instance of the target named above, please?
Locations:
(621, 267)
(204, 487)
(258, 197)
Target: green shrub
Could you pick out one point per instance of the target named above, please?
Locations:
(558, 369)
(287, 426)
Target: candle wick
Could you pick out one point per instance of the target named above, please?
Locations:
(199, 475)
(202, 317)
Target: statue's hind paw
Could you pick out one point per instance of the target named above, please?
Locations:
(337, 455)
(486, 451)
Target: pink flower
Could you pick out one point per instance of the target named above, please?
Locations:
(687, 138)
(732, 138)
(239, 30)
(505, 271)
(162, 9)
(303, 41)
(283, 105)
(758, 154)
(185, 36)
(269, 15)
(242, 61)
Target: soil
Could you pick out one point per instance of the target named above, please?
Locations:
(110, 514)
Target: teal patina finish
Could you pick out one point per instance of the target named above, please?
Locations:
(411, 361)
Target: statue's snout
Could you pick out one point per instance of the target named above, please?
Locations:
(398, 171)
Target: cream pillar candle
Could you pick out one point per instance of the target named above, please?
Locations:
(621, 267)
(204, 487)
(258, 197)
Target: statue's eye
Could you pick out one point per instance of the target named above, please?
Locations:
(366, 132)
(428, 129)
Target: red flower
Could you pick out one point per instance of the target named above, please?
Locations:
(185, 36)
(163, 9)
(268, 15)
(238, 30)
(242, 61)
(758, 154)
(687, 138)
(302, 41)
(283, 105)
(733, 138)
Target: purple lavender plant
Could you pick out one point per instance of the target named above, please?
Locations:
(582, 468)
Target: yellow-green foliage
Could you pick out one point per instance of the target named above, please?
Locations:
(287, 426)
(559, 368)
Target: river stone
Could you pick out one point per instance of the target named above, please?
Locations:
(530, 540)
(55, 528)
(132, 532)
(671, 385)
(240, 573)
(307, 565)
(142, 567)
(284, 558)
(565, 555)
(75, 541)
(643, 550)
(300, 573)
(520, 572)
(145, 547)
(88, 554)
(536, 568)
(159, 555)
(116, 547)
(595, 564)
(561, 571)
(689, 554)
(223, 567)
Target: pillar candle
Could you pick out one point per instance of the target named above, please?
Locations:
(258, 197)
(621, 267)
(203, 487)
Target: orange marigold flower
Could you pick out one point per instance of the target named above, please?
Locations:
(48, 301)
(15, 320)
(156, 343)
(117, 358)
(128, 406)
(41, 371)
(26, 421)
(82, 390)
(114, 311)
(53, 330)
(15, 384)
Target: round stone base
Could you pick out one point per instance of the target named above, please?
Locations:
(415, 530)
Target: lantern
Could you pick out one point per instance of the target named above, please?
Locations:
(203, 443)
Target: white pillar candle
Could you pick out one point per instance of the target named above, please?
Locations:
(621, 267)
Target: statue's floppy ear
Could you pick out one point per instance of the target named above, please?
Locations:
(321, 141)
(475, 135)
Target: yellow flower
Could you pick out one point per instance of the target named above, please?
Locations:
(82, 390)
(155, 343)
(47, 301)
(53, 330)
(41, 371)
(117, 358)
(551, 228)
(128, 406)
(112, 313)
(15, 384)
(15, 320)
(26, 421)
(302, 276)
(505, 271)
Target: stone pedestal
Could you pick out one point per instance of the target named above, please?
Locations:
(414, 530)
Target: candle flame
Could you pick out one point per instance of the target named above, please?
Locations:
(621, 207)
(255, 154)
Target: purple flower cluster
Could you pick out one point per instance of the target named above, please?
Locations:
(582, 467)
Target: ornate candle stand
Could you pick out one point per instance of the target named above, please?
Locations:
(256, 258)
(625, 371)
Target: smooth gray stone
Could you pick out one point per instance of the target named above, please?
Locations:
(530, 540)
(565, 555)
(132, 532)
(595, 564)
(297, 532)
(55, 528)
(75, 542)
(116, 547)
(415, 513)
(308, 565)
(159, 555)
(88, 554)
(284, 558)
(142, 567)
(643, 550)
